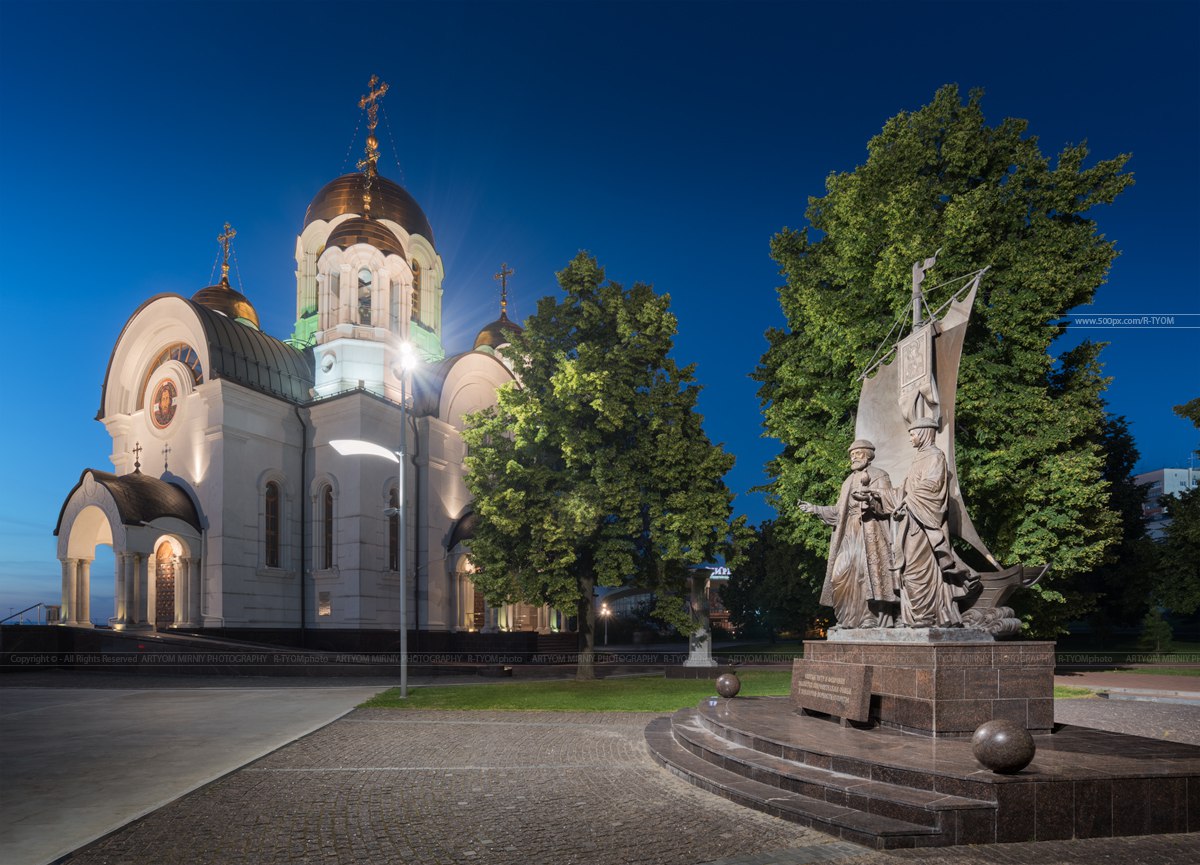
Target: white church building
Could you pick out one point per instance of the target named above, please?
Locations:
(257, 526)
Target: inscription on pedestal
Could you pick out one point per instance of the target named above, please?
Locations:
(835, 689)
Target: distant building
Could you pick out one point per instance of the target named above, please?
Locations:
(1163, 482)
(630, 602)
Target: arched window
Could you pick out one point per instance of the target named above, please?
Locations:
(364, 296)
(179, 351)
(271, 508)
(416, 291)
(327, 527)
(393, 531)
(394, 306)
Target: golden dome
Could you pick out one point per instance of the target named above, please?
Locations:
(230, 303)
(368, 231)
(497, 333)
(388, 201)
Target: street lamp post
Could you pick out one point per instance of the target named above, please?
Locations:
(408, 360)
(605, 612)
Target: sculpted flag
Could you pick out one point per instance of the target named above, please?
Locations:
(879, 421)
(918, 378)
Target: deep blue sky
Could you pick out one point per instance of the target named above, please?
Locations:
(671, 140)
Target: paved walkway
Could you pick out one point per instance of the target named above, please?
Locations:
(451, 787)
(80, 762)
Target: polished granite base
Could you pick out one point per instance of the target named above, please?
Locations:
(908, 635)
(887, 789)
(948, 688)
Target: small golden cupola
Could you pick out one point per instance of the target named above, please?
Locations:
(222, 297)
(499, 332)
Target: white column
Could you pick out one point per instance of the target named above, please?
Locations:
(195, 578)
(180, 591)
(119, 588)
(140, 614)
(83, 593)
(67, 617)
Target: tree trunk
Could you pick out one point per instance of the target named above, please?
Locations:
(585, 669)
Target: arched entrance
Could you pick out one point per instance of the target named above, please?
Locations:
(154, 531)
(164, 585)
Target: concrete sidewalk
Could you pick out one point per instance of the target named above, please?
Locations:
(79, 762)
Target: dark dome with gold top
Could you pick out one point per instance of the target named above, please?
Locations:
(388, 201)
(368, 231)
(230, 303)
(498, 333)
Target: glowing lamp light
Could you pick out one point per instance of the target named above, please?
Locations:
(360, 448)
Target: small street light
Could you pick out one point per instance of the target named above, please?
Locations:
(605, 612)
(358, 447)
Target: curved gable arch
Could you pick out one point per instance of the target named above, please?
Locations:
(162, 321)
(471, 385)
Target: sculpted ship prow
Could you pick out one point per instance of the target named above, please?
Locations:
(919, 376)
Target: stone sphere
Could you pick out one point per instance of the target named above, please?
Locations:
(1003, 746)
(728, 685)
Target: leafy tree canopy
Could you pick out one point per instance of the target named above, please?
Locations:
(774, 586)
(1029, 425)
(595, 469)
(1178, 583)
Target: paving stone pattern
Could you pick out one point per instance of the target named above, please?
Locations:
(383, 786)
(386, 786)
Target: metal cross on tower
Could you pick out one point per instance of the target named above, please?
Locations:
(367, 164)
(137, 456)
(224, 238)
(166, 455)
(502, 276)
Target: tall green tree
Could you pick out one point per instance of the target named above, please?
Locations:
(1178, 578)
(774, 586)
(595, 469)
(1029, 461)
(1122, 584)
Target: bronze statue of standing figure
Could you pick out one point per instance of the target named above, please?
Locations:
(860, 583)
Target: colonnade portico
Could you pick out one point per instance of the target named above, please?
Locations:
(135, 591)
(135, 515)
(76, 592)
(506, 617)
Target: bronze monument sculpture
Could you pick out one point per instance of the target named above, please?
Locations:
(861, 584)
(906, 416)
(896, 718)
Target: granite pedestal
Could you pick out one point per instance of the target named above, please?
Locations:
(888, 789)
(935, 682)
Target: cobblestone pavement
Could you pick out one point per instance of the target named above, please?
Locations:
(451, 787)
(382, 786)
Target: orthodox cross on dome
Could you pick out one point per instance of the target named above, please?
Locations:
(137, 456)
(166, 455)
(224, 238)
(367, 164)
(502, 277)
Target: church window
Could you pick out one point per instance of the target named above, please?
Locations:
(272, 524)
(394, 297)
(393, 531)
(415, 314)
(179, 351)
(365, 281)
(327, 527)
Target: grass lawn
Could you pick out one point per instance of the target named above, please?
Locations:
(633, 694)
(1161, 671)
(1066, 692)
